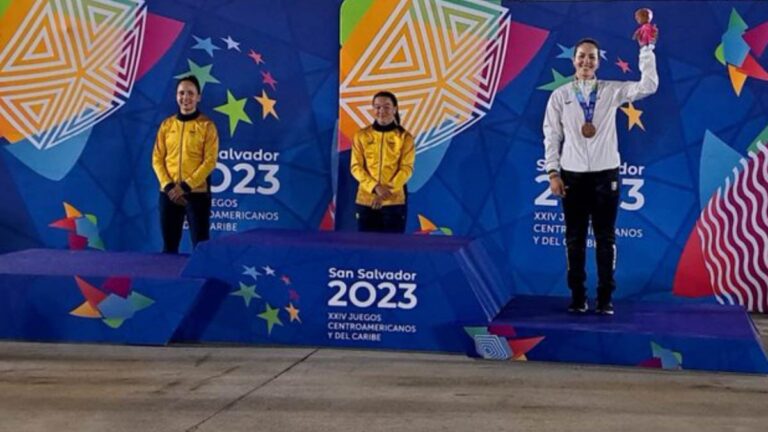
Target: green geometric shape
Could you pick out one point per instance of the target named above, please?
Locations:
(558, 80)
(235, 110)
(474, 331)
(139, 301)
(247, 292)
(113, 322)
(92, 218)
(352, 12)
(761, 137)
(736, 22)
(3, 6)
(270, 316)
(719, 55)
(202, 73)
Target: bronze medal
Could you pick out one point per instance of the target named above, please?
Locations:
(588, 130)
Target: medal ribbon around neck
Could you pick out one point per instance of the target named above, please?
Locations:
(588, 130)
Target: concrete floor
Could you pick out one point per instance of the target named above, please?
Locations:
(66, 387)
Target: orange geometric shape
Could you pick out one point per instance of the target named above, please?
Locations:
(85, 310)
(737, 78)
(426, 224)
(71, 211)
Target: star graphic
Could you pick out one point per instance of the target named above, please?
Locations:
(231, 44)
(247, 292)
(269, 270)
(267, 105)
(205, 45)
(293, 295)
(235, 110)
(251, 271)
(202, 73)
(565, 52)
(255, 56)
(634, 116)
(558, 80)
(268, 79)
(286, 280)
(624, 66)
(568, 52)
(270, 315)
(293, 312)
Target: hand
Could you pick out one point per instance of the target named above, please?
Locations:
(557, 186)
(176, 194)
(383, 192)
(376, 203)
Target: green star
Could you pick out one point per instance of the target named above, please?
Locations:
(202, 73)
(270, 316)
(235, 110)
(558, 81)
(247, 292)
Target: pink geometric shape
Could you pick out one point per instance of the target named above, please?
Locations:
(160, 34)
(757, 38)
(653, 362)
(77, 242)
(502, 330)
(691, 277)
(118, 285)
(524, 42)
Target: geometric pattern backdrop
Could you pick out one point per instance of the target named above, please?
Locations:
(84, 85)
(67, 66)
(685, 150)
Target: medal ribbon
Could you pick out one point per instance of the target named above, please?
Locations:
(587, 107)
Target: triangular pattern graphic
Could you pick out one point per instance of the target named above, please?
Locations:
(443, 60)
(93, 49)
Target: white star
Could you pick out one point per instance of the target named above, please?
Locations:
(269, 270)
(231, 44)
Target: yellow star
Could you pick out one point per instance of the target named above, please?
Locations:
(267, 105)
(293, 312)
(634, 116)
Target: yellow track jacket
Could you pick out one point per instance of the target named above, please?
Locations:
(382, 155)
(185, 152)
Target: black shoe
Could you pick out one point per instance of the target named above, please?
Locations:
(604, 308)
(578, 305)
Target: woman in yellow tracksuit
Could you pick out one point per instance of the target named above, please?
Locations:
(183, 158)
(382, 162)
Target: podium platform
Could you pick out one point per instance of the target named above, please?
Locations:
(92, 296)
(656, 335)
(370, 291)
(345, 289)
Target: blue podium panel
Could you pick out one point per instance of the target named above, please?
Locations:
(656, 335)
(87, 296)
(344, 289)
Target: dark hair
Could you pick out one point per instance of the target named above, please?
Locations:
(391, 96)
(192, 79)
(585, 41)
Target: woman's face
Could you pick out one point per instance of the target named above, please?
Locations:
(586, 61)
(187, 97)
(384, 110)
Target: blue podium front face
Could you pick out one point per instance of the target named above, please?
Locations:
(341, 289)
